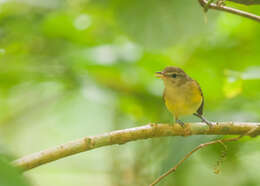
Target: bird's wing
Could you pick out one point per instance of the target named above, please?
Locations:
(200, 109)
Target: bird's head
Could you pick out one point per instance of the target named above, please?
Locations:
(172, 75)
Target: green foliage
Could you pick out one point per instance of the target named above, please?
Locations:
(10, 176)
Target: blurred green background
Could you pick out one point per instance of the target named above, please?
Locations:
(73, 68)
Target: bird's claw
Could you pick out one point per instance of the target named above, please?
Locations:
(181, 123)
(210, 124)
(207, 122)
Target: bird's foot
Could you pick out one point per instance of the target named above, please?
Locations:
(210, 124)
(181, 123)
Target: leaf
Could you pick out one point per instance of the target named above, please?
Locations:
(9, 175)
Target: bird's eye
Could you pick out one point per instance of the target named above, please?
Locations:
(174, 75)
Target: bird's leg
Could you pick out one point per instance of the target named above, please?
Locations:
(204, 120)
(181, 123)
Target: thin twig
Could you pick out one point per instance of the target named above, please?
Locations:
(198, 148)
(182, 160)
(204, 3)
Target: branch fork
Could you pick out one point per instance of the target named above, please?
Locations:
(207, 4)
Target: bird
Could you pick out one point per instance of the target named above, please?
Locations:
(182, 95)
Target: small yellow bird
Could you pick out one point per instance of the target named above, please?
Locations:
(182, 95)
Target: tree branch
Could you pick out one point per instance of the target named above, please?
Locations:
(204, 4)
(126, 135)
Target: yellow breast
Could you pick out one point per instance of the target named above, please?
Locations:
(184, 99)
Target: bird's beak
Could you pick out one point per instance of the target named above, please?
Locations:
(159, 74)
